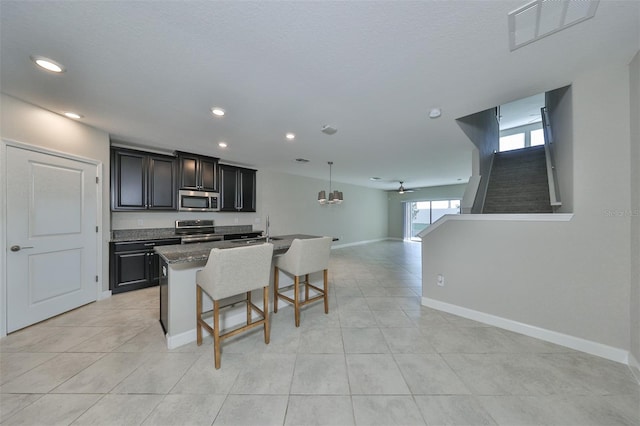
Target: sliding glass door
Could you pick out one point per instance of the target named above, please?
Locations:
(420, 214)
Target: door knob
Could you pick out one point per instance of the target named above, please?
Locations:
(18, 248)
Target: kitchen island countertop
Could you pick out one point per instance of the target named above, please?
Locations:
(198, 252)
(179, 265)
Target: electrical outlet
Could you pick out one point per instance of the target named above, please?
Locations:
(440, 280)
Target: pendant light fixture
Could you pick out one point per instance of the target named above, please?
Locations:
(335, 197)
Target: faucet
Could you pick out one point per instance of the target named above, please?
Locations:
(267, 231)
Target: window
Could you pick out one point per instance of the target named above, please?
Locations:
(507, 143)
(537, 137)
(421, 214)
(521, 137)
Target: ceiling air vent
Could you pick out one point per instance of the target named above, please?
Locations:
(541, 18)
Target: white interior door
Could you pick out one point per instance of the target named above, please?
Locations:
(51, 235)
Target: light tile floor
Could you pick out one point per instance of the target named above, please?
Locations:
(379, 357)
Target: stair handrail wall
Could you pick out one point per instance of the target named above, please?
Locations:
(552, 178)
(482, 187)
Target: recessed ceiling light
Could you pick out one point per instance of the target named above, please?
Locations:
(73, 115)
(435, 113)
(48, 64)
(222, 144)
(219, 112)
(374, 178)
(290, 136)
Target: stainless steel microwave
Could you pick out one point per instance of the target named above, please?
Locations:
(198, 201)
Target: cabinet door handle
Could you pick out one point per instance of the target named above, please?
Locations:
(149, 244)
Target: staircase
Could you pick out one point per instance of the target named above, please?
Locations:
(518, 182)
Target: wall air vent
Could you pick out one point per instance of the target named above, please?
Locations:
(541, 18)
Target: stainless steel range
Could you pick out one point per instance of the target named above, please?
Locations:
(197, 231)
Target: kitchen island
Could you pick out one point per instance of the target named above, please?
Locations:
(178, 267)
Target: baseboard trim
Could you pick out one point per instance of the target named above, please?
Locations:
(577, 343)
(229, 319)
(634, 366)
(358, 243)
(180, 339)
(104, 295)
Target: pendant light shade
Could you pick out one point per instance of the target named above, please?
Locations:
(335, 197)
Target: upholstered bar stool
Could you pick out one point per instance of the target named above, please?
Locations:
(304, 257)
(231, 272)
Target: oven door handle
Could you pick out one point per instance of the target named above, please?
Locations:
(188, 240)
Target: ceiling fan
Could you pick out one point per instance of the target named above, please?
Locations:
(402, 189)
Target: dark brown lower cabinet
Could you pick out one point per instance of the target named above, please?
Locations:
(135, 265)
(242, 236)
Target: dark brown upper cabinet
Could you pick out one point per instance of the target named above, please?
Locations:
(197, 172)
(142, 180)
(237, 189)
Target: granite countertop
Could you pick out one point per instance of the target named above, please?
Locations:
(200, 251)
(123, 235)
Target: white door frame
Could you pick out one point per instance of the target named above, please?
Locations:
(3, 217)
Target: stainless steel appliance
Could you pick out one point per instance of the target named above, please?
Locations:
(197, 231)
(198, 201)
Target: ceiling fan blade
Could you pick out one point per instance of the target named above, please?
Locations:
(402, 189)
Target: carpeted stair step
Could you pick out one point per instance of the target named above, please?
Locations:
(518, 182)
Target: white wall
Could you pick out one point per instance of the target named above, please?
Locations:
(396, 219)
(292, 206)
(483, 131)
(32, 125)
(634, 300)
(569, 277)
(561, 116)
(290, 202)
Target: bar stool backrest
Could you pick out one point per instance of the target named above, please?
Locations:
(236, 270)
(306, 256)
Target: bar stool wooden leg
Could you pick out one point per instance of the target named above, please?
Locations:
(275, 290)
(326, 292)
(296, 302)
(306, 287)
(265, 308)
(248, 307)
(198, 315)
(216, 333)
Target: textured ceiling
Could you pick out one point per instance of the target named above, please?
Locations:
(149, 72)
